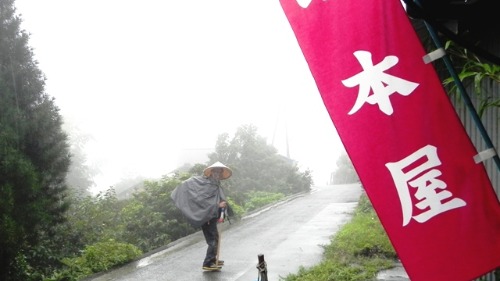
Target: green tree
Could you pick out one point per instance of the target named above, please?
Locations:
(345, 172)
(34, 156)
(150, 218)
(257, 166)
(90, 219)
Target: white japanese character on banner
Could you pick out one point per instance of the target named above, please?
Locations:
(430, 192)
(383, 84)
(304, 3)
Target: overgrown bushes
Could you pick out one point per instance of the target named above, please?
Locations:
(96, 258)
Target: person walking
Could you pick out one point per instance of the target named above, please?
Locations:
(200, 199)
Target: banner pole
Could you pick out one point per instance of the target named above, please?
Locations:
(462, 90)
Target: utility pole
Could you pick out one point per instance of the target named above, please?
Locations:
(286, 134)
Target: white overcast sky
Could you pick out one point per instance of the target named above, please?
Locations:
(149, 79)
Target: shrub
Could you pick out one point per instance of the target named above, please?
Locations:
(98, 257)
(237, 209)
(261, 198)
(363, 236)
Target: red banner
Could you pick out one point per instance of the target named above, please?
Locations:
(402, 134)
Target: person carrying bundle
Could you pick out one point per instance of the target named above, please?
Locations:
(201, 200)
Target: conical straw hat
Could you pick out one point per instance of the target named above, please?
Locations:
(226, 172)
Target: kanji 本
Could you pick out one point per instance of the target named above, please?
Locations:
(432, 196)
(382, 84)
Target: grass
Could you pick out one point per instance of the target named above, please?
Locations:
(357, 252)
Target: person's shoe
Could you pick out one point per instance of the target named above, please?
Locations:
(211, 267)
(220, 262)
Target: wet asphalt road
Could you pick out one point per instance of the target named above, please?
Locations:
(289, 235)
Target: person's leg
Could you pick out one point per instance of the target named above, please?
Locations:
(212, 239)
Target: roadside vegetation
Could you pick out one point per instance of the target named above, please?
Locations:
(358, 251)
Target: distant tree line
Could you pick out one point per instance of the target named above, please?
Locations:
(257, 166)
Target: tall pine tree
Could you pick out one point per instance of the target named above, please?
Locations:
(34, 153)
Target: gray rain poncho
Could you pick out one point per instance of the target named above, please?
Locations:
(198, 199)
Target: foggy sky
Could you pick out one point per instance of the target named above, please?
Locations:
(149, 80)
